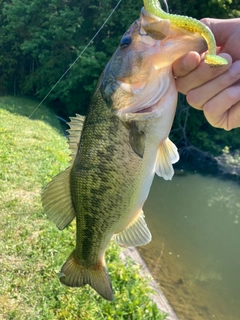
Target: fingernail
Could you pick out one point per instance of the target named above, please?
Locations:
(191, 60)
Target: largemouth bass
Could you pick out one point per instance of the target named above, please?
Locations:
(117, 149)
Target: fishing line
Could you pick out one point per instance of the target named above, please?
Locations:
(79, 56)
(166, 6)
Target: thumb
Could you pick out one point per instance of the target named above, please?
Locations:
(186, 64)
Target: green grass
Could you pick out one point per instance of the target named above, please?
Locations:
(32, 249)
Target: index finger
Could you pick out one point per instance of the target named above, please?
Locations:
(202, 74)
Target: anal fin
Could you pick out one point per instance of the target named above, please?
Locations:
(167, 154)
(135, 234)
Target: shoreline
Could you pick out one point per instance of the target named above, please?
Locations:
(158, 297)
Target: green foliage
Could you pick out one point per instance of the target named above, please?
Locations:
(198, 9)
(231, 159)
(43, 38)
(32, 249)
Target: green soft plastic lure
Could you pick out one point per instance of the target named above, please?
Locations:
(192, 25)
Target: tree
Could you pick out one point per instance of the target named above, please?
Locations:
(49, 36)
(40, 39)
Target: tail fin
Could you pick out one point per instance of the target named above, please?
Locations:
(75, 275)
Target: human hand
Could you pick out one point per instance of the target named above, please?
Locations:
(216, 91)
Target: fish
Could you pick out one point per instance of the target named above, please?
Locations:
(117, 148)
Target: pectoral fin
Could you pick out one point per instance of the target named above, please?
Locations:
(167, 154)
(137, 139)
(57, 201)
(135, 234)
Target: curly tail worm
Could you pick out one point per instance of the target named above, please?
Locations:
(192, 25)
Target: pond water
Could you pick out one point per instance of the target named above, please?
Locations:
(195, 250)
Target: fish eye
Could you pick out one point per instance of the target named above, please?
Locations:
(125, 42)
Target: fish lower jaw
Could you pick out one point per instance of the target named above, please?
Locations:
(146, 110)
(137, 116)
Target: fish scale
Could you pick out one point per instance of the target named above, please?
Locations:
(95, 180)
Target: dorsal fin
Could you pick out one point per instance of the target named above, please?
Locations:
(57, 201)
(75, 131)
(56, 197)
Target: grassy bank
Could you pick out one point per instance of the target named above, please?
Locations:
(32, 249)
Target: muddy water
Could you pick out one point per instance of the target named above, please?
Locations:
(195, 251)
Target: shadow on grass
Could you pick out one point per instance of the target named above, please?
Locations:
(27, 106)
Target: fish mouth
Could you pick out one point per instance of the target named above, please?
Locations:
(146, 110)
(145, 113)
(145, 103)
